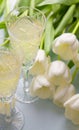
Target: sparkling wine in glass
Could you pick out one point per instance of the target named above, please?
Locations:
(10, 67)
(25, 26)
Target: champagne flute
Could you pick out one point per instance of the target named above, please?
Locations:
(10, 67)
(25, 26)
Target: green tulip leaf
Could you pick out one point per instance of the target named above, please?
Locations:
(64, 2)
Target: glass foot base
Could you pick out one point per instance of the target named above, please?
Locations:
(17, 121)
(24, 96)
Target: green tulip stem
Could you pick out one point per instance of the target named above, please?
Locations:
(65, 19)
(76, 28)
(32, 5)
(5, 42)
(49, 35)
(59, 58)
(7, 8)
(42, 41)
(2, 25)
(74, 73)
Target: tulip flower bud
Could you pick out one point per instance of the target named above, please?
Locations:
(41, 63)
(58, 73)
(72, 109)
(40, 87)
(66, 46)
(62, 94)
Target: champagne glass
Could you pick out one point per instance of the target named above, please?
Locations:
(25, 27)
(10, 67)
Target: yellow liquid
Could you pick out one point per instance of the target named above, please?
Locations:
(9, 74)
(25, 37)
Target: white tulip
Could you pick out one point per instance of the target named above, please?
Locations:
(66, 46)
(41, 63)
(58, 73)
(72, 109)
(40, 87)
(62, 94)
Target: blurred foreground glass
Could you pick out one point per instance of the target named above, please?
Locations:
(25, 26)
(10, 117)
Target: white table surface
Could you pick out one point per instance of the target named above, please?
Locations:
(44, 115)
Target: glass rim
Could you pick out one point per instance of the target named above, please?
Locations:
(23, 7)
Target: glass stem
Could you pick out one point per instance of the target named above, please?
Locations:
(8, 110)
(25, 79)
(8, 107)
